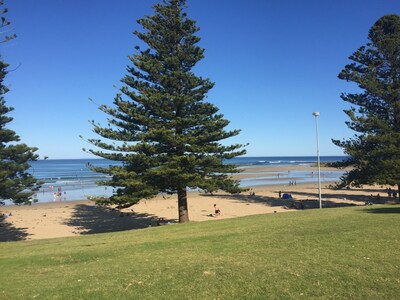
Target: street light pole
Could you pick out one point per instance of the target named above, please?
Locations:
(316, 114)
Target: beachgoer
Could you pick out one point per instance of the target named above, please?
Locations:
(378, 198)
(217, 211)
(161, 221)
(280, 194)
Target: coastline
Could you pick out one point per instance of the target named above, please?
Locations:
(251, 175)
(72, 218)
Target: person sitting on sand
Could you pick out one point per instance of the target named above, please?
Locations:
(216, 213)
(161, 221)
(217, 210)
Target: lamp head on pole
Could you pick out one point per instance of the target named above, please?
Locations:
(315, 114)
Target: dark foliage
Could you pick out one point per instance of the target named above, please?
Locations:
(15, 183)
(374, 151)
(166, 135)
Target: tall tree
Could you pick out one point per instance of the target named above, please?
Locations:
(166, 135)
(15, 183)
(374, 151)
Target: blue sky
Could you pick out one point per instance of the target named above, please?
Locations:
(273, 62)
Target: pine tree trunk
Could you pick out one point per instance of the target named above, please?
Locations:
(182, 205)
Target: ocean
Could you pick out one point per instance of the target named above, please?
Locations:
(71, 179)
(282, 160)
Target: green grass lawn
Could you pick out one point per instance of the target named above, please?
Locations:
(341, 253)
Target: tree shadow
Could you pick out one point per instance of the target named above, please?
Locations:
(352, 197)
(89, 219)
(347, 196)
(289, 203)
(9, 233)
(383, 210)
(270, 201)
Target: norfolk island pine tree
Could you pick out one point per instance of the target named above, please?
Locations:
(374, 151)
(164, 133)
(15, 183)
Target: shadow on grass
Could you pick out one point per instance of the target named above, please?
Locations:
(9, 233)
(93, 219)
(353, 197)
(383, 210)
(290, 203)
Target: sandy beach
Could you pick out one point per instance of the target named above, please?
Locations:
(71, 218)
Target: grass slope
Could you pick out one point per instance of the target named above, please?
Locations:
(343, 253)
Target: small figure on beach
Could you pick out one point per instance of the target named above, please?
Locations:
(389, 192)
(216, 213)
(369, 202)
(161, 222)
(280, 194)
(217, 210)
